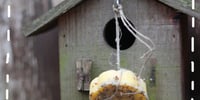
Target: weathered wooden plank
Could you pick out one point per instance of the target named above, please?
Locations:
(83, 72)
(167, 54)
(184, 6)
(56, 2)
(154, 14)
(46, 21)
(51, 15)
(79, 74)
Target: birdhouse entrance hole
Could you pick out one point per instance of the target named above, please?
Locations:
(126, 37)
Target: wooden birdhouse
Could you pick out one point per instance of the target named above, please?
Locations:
(86, 43)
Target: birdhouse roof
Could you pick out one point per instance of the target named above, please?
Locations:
(48, 19)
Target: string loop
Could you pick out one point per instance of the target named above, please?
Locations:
(142, 38)
(117, 8)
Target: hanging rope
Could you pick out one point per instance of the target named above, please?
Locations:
(117, 42)
(142, 38)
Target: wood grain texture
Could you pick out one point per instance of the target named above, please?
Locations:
(81, 35)
(62, 6)
(83, 72)
(184, 6)
(56, 2)
(48, 17)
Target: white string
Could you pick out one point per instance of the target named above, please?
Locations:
(117, 41)
(146, 54)
(118, 12)
(114, 55)
(125, 22)
(140, 37)
(147, 38)
(118, 37)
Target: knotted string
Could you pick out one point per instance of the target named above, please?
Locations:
(117, 41)
(142, 38)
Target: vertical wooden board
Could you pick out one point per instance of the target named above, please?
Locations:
(81, 35)
(73, 48)
(184, 6)
(167, 54)
(167, 84)
(157, 22)
(151, 12)
(197, 5)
